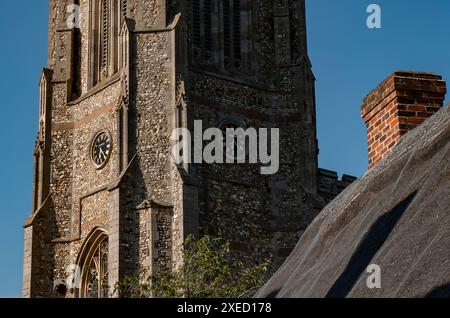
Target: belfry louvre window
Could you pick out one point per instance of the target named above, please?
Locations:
(232, 33)
(106, 17)
(217, 33)
(202, 30)
(104, 38)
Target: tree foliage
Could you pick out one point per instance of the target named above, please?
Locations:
(208, 271)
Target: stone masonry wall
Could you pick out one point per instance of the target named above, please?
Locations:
(273, 211)
(153, 172)
(330, 186)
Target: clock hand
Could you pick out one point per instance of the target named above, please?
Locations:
(102, 153)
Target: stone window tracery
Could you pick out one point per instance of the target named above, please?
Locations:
(94, 267)
(96, 285)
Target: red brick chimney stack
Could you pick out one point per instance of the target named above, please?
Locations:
(400, 104)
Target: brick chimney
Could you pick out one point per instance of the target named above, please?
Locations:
(400, 104)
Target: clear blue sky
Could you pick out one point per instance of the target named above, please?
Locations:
(349, 60)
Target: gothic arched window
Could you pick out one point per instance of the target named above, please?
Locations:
(94, 267)
(220, 32)
(106, 17)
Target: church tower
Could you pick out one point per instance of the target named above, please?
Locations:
(108, 199)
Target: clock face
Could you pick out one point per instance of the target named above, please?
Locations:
(241, 147)
(101, 149)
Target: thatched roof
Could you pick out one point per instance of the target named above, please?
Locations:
(396, 216)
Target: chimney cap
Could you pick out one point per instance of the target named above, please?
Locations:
(405, 84)
(398, 105)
